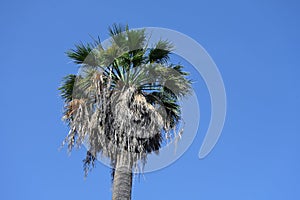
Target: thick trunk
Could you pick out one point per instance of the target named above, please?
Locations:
(123, 177)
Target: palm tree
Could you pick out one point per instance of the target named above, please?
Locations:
(124, 102)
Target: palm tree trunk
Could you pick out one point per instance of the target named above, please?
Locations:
(122, 177)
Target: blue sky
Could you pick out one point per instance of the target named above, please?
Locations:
(254, 43)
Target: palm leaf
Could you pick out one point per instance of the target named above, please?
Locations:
(160, 53)
(66, 89)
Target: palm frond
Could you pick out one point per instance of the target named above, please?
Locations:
(160, 53)
(80, 53)
(117, 32)
(66, 89)
(135, 39)
(169, 107)
(171, 79)
(117, 29)
(86, 53)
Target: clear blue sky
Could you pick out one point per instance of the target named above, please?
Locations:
(256, 46)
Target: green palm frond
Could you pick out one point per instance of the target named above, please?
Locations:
(116, 31)
(135, 39)
(168, 106)
(110, 54)
(79, 54)
(138, 57)
(86, 53)
(66, 89)
(160, 53)
(66, 92)
(171, 79)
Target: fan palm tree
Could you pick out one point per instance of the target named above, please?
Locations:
(124, 102)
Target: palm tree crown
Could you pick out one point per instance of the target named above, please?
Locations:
(125, 97)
